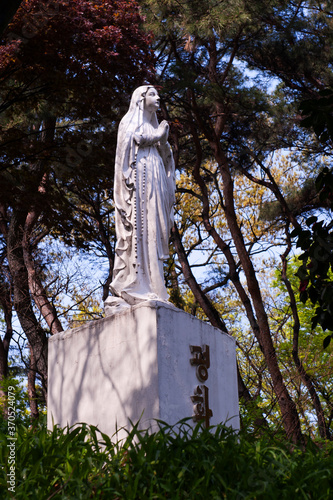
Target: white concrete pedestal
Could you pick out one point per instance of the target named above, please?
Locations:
(137, 364)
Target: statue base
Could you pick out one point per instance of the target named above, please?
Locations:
(150, 361)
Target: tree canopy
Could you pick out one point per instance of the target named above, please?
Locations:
(232, 77)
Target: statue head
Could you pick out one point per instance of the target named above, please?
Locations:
(151, 100)
(143, 95)
(144, 101)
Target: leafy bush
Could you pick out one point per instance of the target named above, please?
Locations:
(81, 463)
(22, 410)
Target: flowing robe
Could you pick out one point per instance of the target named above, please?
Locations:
(144, 196)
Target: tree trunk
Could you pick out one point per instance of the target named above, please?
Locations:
(200, 297)
(6, 305)
(22, 301)
(32, 393)
(36, 287)
(287, 406)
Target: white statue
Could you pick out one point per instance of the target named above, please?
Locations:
(144, 193)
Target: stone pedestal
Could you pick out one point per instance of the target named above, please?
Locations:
(152, 361)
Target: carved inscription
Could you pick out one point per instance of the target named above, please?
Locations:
(201, 360)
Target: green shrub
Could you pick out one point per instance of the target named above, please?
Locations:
(203, 464)
(22, 411)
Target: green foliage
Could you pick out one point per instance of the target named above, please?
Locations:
(318, 114)
(315, 272)
(316, 240)
(22, 413)
(80, 463)
(316, 362)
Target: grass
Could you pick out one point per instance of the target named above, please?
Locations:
(81, 463)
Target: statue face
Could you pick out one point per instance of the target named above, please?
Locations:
(152, 100)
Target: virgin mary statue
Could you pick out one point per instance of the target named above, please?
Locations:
(144, 193)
